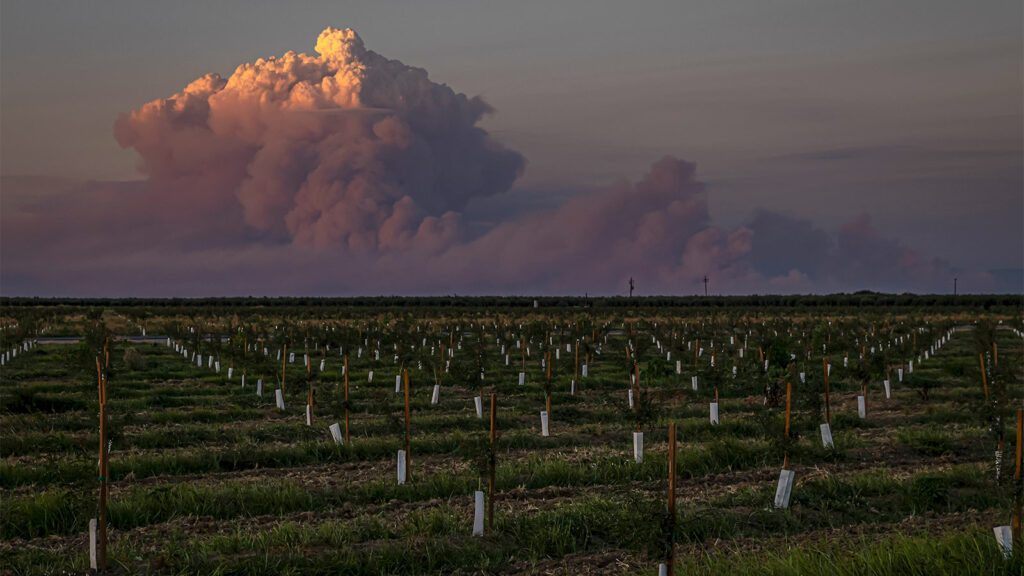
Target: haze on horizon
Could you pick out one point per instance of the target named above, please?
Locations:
(457, 147)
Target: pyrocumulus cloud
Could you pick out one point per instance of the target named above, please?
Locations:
(274, 142)
(346, 172)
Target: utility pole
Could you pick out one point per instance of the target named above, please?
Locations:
(705, 285)
(954, 286)
(631, 286)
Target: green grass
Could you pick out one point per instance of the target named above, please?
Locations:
(185, 438)
(973, 552)
(927, 441)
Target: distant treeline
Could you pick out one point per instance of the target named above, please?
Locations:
(858, 299)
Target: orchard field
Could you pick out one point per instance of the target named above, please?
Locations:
(219, 455)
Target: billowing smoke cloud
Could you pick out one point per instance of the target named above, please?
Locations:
(346, 173)
(797, 256)
(347, 149)
(657, 229)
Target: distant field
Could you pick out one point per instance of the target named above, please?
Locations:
(208, 477)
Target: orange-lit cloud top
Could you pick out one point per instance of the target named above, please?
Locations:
(347, 149)
(348, 173)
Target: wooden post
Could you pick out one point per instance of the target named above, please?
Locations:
(576, 370)
(103, 473)
(636, 391)
(789, 396)
(284, 366)
(547, 395)
(346, 398)
(984, 381)
(408, 460)
(671, 559)
(490, 479)
(1016, 478)
(828, 408)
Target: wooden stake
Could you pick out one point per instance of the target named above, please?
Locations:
(104, 468)
(1016, 478)
(984, 381)
(408, 460)
(636, 390)
(828, 408)
(284, 366)
(789, 396)
(346, 398)
(671, 559)
(576, 370)
(1020, 416)
(547, 395)
(490, 479)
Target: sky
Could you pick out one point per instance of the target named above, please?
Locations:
(510, 148)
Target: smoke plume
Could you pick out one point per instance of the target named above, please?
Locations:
(347, 173)
(346, 149)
